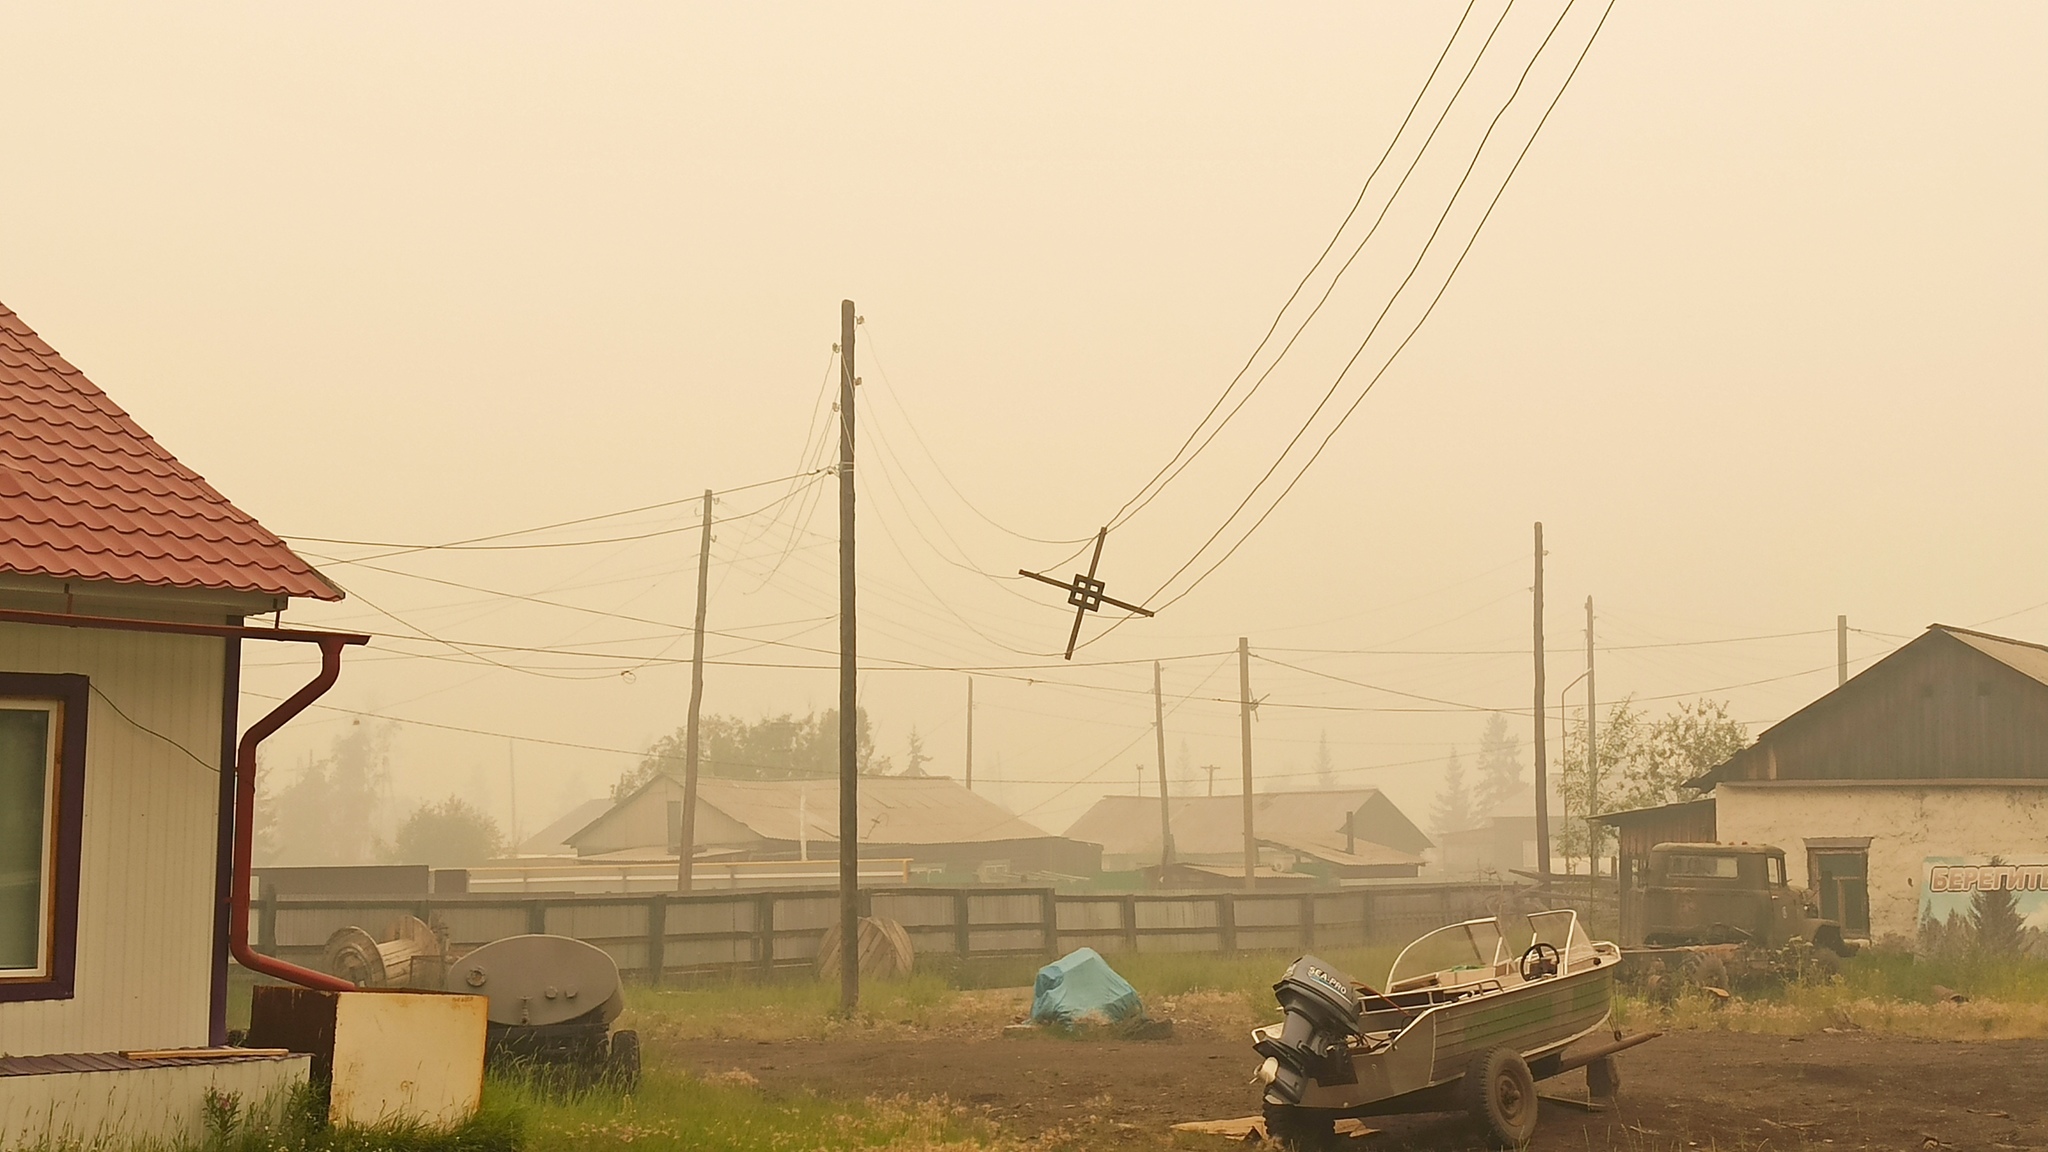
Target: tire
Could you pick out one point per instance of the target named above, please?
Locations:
(1603, 1078)
(622, 1067)
(1501, 1094)
(1300, 1129)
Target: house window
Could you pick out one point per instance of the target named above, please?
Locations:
(42, 752)
(1843, 879)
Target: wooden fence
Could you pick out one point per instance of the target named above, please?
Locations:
(709, 932)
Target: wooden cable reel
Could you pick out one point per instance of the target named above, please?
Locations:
(885, 950)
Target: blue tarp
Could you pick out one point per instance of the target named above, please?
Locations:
(1081, 988)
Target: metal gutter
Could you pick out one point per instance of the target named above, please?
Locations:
(331, 646)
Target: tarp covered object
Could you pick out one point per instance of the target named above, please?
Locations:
(1081, 988)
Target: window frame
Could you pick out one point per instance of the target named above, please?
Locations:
(71, 694)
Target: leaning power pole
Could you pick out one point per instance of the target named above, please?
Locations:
(1542, 761)
(1165, 812)
(1244, 724)
(970, 733)
(687, 845)
(849, 696)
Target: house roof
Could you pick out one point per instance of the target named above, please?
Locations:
(893, 810)
(1214, 825)
(2030, 660)
(86, 494)
(553, 840)
(1836, 719)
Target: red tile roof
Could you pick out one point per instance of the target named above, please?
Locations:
(86, 494)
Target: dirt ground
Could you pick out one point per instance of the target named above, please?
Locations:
(1707, 1090)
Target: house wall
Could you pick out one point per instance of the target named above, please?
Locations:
(642, 822)
(145, 908)
(1905, 823)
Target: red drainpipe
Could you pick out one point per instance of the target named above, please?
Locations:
(331, 644)
(245, 826)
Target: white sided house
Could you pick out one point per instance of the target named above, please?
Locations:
(124, 581)
(1934, 757)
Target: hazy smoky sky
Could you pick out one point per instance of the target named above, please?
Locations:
(1755, 331)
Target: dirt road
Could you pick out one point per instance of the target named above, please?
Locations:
(1710, 1090)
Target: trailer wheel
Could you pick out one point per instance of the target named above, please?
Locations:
(622, 1066)
(1603, 1078)
(1300, 1129)
(1501, 1095)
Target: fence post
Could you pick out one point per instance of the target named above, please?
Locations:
(1130, 918)
(1368, 917)
(764, 931)
(1049, 912)
(1308, 921)
(1226, 920)
(962, 938)
(266, 923)
(657, 936)
(537, 917)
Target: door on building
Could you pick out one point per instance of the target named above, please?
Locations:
(1843, 880)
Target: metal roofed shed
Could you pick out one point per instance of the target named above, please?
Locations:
(948, 831)
(1326, 834)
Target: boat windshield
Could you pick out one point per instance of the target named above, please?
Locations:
(1460, 952)
(1560, 930)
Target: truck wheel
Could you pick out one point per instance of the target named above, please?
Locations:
(1501, 1095)
(1603, 1078)
(1300, 1129)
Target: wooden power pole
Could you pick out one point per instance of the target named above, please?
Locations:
(849, 696)
(1165, 811)
(970, 733)
(1592, 758)
(1841, 650)
(1542, 761)
(1244, 725)
(687, 844)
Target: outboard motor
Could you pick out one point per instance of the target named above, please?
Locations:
(1321, 1012)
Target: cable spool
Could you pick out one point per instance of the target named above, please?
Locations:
(885, 950)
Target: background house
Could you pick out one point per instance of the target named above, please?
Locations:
(1325, 834)
(1938, 752)
(949, 833)
(116, 761)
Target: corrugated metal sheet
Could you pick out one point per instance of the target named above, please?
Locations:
(86, 494)
(145, 918)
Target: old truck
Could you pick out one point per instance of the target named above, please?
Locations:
(1698, 894)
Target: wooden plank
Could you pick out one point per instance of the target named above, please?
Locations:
(204, 1053)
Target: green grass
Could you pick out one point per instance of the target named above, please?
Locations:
(1888, 993)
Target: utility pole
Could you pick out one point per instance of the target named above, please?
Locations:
(1141, 780)
(1165, 812)
(1212, 770)
(1244, 725)
(1841, 650)
(1542, 761)
(970, 733)
(686, 856)
(1592, 759)
(512, 788)
(849, 695)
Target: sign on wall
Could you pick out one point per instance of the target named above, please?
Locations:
(1983, 906)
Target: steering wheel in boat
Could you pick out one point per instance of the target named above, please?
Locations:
(1540, 960)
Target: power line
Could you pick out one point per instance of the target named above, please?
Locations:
(1331, 288)
(1119, 516)
(471, 544)
(1427, 312)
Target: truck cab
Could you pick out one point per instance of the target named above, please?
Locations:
(1727, 894)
